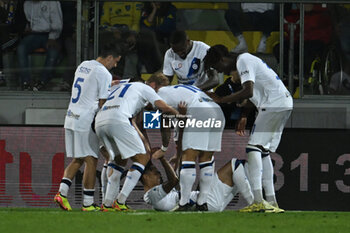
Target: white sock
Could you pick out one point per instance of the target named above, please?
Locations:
(187, 179)
(262, 45)
(240, 180)
(64, 186)
(88, 195)
(104, 181)
(206, 178)
(255, 172)
(113, 184)
(132, 177)
(241, 38)
(267, 178)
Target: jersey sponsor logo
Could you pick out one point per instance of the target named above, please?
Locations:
(151, 119)
(104, 108)
(84, 70)
(244, 72)
(203, 99)
(72, 115)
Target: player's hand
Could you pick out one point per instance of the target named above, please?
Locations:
(115, 82)
(214, 96)
(182, 107)
(158, 154)
(243, 103)
(240, 127)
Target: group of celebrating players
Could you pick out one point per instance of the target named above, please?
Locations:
(114, 108)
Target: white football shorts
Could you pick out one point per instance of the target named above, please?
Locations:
(80, 144)
(267, 129)
(122, 137)
(204, 138)
(220, 194)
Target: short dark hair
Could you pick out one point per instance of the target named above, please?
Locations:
(215, 54)
(110, 45)
(177, 37)
(150, 168)
(112, 48)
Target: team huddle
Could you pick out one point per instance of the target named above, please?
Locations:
(103, 117)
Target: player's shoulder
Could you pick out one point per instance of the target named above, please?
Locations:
(200, 44)
(245, 56)
(169, 53)
(141, 86)
(164, 90)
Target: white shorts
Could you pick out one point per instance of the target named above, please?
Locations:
(121, 138)
(220, 195)
(204, 139)
(267, 129)
(80, 144)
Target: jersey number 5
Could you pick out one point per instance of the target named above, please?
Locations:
(77, 85)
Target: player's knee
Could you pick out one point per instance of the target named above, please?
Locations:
(115, 172)
(141, 158)
(90, 161)
(138, 167)
(78, 160)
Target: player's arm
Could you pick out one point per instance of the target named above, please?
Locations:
(245, 93)
(213, 80)
(166, 133)
(137, 123)
(101, 102)
(248, 107)
(160, 104)
(172, 179)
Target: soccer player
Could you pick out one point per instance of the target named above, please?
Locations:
(117, 134)
(262, 86)
(185, 59)
(90, 90)
(226, 183)
(115, 169)
(199, 140)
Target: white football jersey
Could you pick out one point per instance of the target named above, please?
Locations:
(192, 95)
(190, 70)
(269, 91)
(92, 82)
(125, 102)
(162, 201)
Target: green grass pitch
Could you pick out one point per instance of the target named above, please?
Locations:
(35, 220)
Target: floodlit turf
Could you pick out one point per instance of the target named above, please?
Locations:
(28, 220)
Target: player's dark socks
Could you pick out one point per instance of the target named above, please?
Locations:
(203, 207)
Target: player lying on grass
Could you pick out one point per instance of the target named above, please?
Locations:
(226, 183)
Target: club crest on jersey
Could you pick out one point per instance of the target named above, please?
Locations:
(178, 66)
(151, 119)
